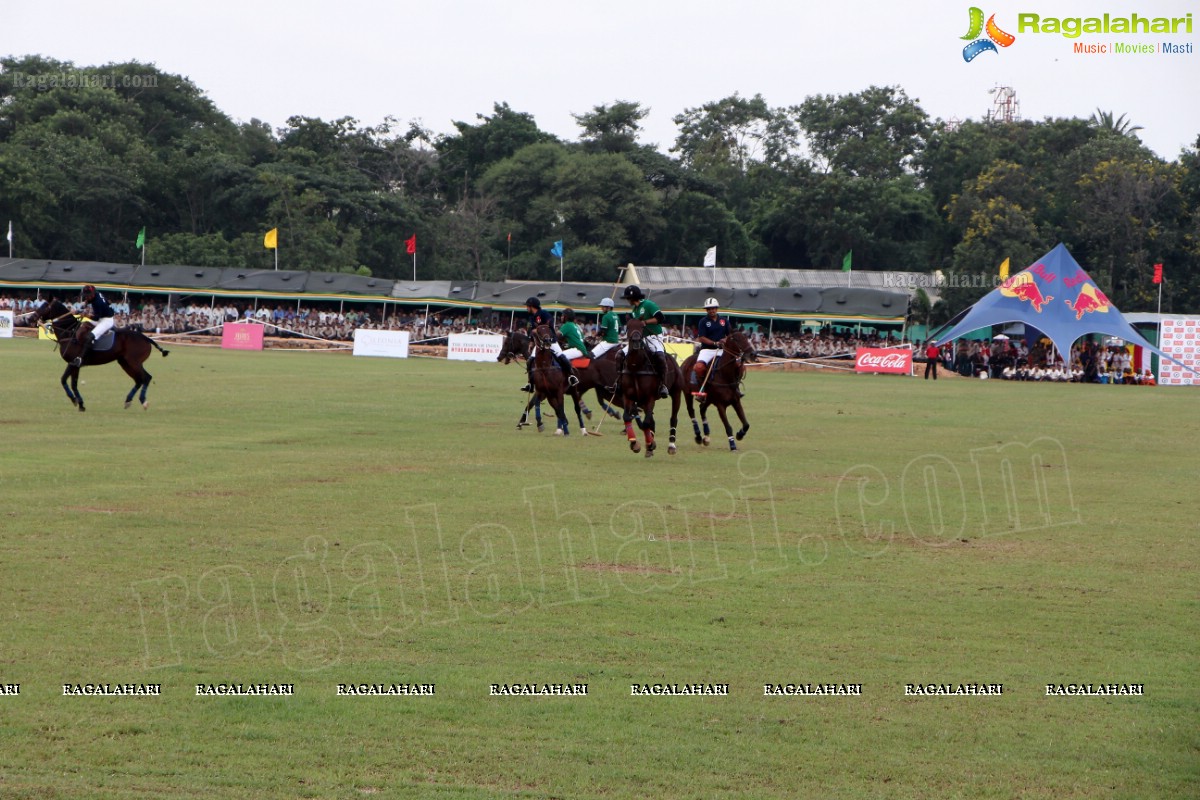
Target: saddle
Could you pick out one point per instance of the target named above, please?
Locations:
(105, 342)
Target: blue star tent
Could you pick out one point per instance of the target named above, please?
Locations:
(1055, 296)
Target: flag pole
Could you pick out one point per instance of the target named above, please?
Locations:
(415, 268)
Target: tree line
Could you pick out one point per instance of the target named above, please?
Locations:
(84, 167)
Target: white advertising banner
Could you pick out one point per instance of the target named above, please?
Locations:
(474, 346)
(6, 324)
(1179, 337)
(389, 344)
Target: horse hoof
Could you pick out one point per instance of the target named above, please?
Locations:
(541, 427)
(146, 405)
(128, 403)
(742, 433)
(649, 452)
(671, 448)
(699, 440)
(634, 446)
(732, 444)
(587, 412)
(559, 432)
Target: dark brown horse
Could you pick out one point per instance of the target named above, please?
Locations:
(548, 379)
(130, 349)
(639, 384)
(721, 386)
(516, 347)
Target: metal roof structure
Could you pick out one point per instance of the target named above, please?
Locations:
(833, 302)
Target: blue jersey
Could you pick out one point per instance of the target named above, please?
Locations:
(714, 329)
(100, 307)
(540, 317)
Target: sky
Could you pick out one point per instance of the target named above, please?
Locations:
(451, 60)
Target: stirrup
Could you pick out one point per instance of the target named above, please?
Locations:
(77, 361)
(527, 388)
(572, 380)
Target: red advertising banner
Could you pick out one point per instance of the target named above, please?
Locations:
(242, 336)
(884, 359)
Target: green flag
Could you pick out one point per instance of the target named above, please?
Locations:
(846, 261)
(141, 240)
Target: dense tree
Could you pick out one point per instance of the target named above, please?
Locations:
(88, 156)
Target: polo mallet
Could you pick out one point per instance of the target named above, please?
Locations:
(699, 393)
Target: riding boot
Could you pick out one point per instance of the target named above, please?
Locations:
(660, 367)
(568, 370)
(529, 374)
(697, 373)
(88, 341)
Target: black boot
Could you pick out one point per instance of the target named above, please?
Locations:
(88, 341)
(660, 366)
(565, 364)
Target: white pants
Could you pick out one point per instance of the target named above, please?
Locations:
(103, 326)
(653, 343)
(602, 348)
(707, 355)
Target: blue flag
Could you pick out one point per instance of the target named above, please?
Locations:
(557, 250)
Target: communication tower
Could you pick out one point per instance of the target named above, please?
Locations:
(1005, 105)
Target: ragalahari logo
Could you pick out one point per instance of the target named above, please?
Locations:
(1024, 287)
(995, 36)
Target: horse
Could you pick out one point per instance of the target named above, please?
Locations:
(639, 384)
(516, 346)
(129, 348)
(721, 387)
(548, 379)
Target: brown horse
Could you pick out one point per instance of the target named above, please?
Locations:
(721, 385)
(639, 384)
(129, 348)
(549, 381)
(516, 347)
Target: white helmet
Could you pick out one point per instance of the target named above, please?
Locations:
(607, 302)
(711, 303)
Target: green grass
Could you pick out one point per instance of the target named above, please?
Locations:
(316, 519)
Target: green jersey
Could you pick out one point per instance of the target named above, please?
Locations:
(570, 332)
(610, 327)
(646, 311)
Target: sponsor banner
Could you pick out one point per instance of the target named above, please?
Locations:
(6, 324)
(897, 360)
(242, 336)
(1179, 337)
(474, 347)
(680, 351)
(389, 344)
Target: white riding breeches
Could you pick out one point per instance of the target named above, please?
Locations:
(103, 326)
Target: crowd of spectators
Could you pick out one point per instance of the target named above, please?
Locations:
(1007, 359)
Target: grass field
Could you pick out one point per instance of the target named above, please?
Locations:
(316, 519)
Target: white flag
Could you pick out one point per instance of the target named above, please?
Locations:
(710, 258)
(10, 231)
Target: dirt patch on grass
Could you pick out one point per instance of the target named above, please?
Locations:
(645, 569)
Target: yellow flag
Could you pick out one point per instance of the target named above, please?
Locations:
(271, 240)
(1004, 270)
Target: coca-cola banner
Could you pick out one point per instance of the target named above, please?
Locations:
(884, 359)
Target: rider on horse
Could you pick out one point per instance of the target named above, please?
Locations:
(539, 317)
(103, 316)
(609, 330)
(576, 347)
(709, 331)
(648, 312)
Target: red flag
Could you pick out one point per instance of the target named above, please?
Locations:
(1158, 273)
(510, 237)
(410, 245)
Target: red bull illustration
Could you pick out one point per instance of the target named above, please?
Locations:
(1090, 299)
(1024, 287)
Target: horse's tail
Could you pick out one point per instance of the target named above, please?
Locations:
(157, 346)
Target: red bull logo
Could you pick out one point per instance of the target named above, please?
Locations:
(1023, 287)
(1090, 299)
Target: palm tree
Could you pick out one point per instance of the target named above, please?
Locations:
(1118, 126)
